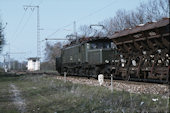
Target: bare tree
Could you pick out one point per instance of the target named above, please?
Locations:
(157, 9)
(153, 10)
(51, 52)
(85, 31)
(16, 65)
(164, 5)
(95, 31)
(109, 27)
(119, 22)
(2, 41)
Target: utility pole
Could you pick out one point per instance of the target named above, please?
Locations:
(6, 62)
(38, 27)
(75, 33)
(74, 28)
(9, 57)
(5, 65)
(112, 83)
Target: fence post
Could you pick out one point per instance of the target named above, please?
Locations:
(111, 82)
(65, 73)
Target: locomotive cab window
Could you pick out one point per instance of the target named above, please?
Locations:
(100, 45)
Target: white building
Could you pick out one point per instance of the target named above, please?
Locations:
(33, 64)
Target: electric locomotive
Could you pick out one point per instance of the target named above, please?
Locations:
(87, 57)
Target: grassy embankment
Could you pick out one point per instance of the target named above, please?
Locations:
(44, 94)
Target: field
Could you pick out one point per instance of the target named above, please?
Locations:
(44, 94)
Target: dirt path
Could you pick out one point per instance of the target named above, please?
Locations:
(18, 101)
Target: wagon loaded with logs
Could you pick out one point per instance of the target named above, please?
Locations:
(140, 53)
(145, 51)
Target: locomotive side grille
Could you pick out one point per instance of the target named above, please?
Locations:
(100, 56)
(95, 56)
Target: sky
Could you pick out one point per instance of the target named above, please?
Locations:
(56, 21)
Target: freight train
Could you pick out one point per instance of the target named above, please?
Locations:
(140, 53)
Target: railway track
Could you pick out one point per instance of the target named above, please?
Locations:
(134, 81)
(120, 85)
(131, 80)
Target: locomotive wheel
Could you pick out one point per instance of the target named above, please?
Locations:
(167, 80)
(87, 74)
(126, 77)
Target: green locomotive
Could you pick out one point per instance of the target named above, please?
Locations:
(89, 57)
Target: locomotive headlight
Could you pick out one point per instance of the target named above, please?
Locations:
(134, 62)
(123, 65)
(167, 55)
(106, 61)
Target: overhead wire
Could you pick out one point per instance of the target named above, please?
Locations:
(97, 11)
(20, 23)
(21, 20)
(27, 21)
(31, 2)
(85, 17)
(24, 25)
(20, 28)
(59, 30)
(41, 1)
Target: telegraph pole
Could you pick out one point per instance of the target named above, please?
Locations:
(9, 57)
(74, 28)
(38, 27)
(38, 34)
(75, 33)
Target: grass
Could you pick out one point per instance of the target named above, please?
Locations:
(44, 94)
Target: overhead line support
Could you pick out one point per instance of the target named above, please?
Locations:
(38, 27)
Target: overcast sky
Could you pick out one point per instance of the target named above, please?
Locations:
(55, 15)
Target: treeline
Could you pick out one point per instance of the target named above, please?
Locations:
(152, 11)
(16, 65)
(51, 52)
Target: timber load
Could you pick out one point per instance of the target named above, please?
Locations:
(144, 51)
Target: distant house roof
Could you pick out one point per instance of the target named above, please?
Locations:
(34, 58)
